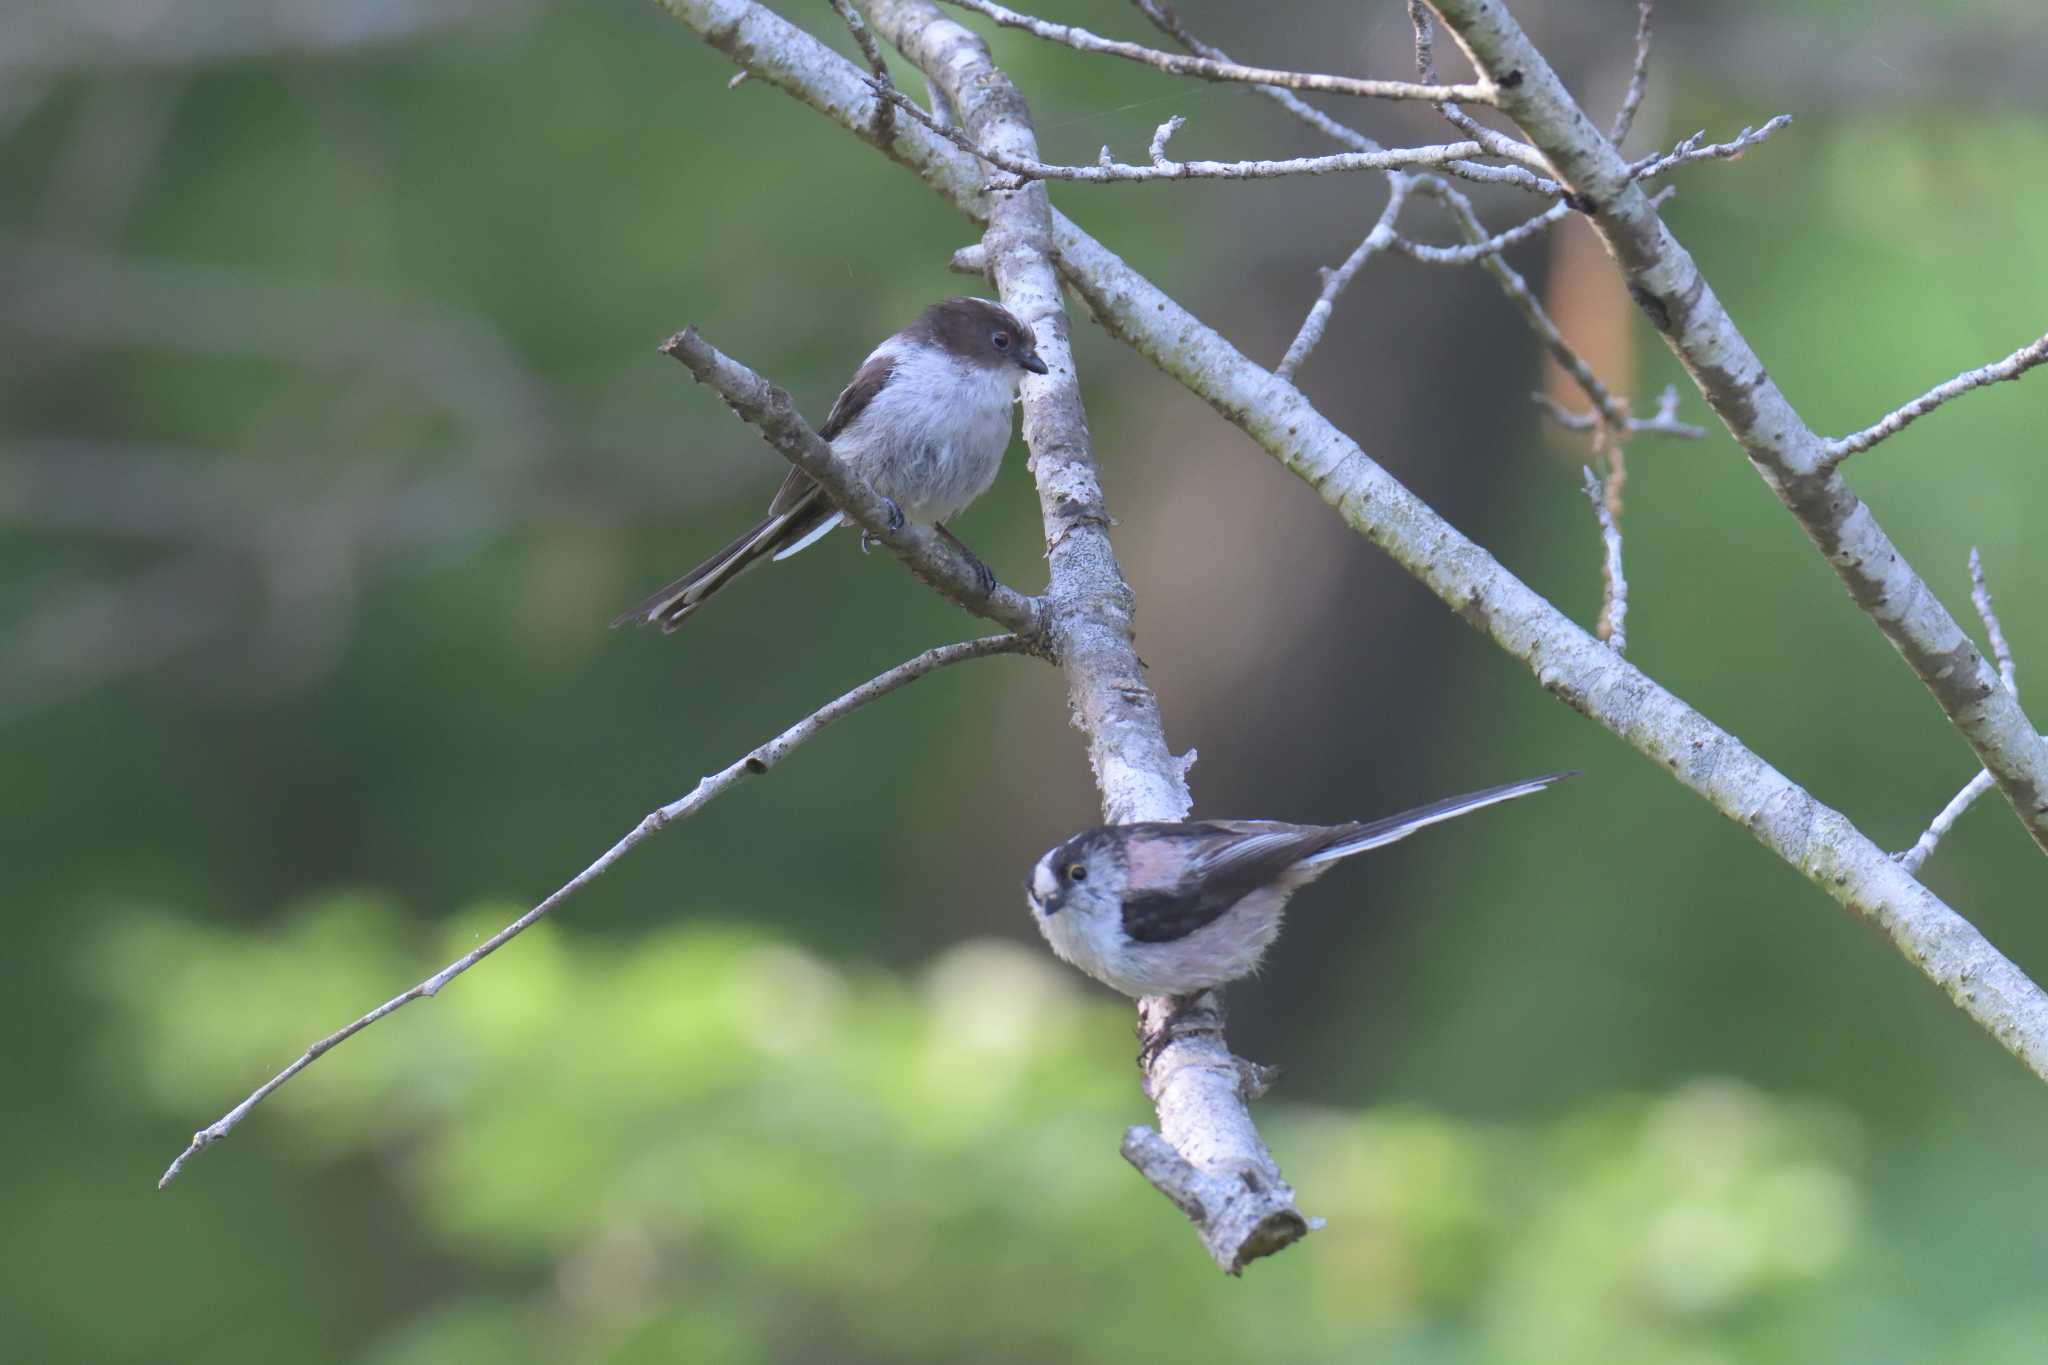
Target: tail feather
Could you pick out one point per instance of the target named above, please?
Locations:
(677, 602)
(1376, 833)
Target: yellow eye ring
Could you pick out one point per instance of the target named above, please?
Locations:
(1077, 872)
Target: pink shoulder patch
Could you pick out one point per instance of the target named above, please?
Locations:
(1153, 864)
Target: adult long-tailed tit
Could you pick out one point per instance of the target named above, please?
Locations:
(1173, 909)
(925, 421)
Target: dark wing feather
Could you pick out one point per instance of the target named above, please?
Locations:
(854, 398)
(1220, 863)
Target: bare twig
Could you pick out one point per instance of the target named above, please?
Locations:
(928, 554)
(1923, 848)
(1695, 149)
(1335, 282)
(1938, 828)
(1497, 143)
(1797, 465)
(1022, 170)
(878, 65)
(1980, 597)
(1204, 68)
(2012, 367)
(758, 760)
(1664, 422)
(1613, 627)
(1473, 252)
(1638, 76)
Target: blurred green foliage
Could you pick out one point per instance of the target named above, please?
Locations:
(707, 1141)
(333, 433)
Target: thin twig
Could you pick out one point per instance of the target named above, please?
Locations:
(1473, 252)
(1613, 627)
(2012, 367)
(1497, 143)
(757, 761)
(1694, 149)
(1203, 68)
(1613, 411)
(1335, 282)
(1664, 422)
(1923, 847)
(1638, 76)
(1023, 170)
(885, 111)
(1980, 597)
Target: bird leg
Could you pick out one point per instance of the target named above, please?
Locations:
(867, 537)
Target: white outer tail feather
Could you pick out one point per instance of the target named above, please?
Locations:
(1397, 827)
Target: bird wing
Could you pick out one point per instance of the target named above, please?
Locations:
(1181, 877)
(851, 402)
(854, 398)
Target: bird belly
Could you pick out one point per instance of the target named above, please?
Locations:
(932, 447)
(1224, 950)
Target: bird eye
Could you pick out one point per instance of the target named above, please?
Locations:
(1001, 341)
(1077, 872)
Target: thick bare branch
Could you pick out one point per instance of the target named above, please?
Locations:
(2012, 367)
(1194, 1074)
(928, 554)
(1208, 69)
(756, 761)
(1794, 461)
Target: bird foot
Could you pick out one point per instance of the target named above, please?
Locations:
(1155, 1041)
(983, 574)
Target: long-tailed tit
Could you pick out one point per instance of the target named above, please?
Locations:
(925, 421)
(1173, 909)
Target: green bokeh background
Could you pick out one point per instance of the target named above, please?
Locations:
(331, 433)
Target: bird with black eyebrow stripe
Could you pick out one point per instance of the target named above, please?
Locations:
(925, 421)
(1175, 909)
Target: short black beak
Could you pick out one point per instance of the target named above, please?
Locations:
(1030, 361)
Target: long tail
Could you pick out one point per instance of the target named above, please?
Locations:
(677, 602)
(1375, 833)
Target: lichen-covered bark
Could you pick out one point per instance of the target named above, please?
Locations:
(1246, 1209)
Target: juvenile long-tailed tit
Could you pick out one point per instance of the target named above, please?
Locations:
(1173, 909)
(925, 421)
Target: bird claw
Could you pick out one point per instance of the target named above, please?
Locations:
(867, 540)
(983, 574)
(1151, 1044)
(895, 514)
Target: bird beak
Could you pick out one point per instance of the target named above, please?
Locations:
(1030, 361)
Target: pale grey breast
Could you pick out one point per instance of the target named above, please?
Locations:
(933, 438)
